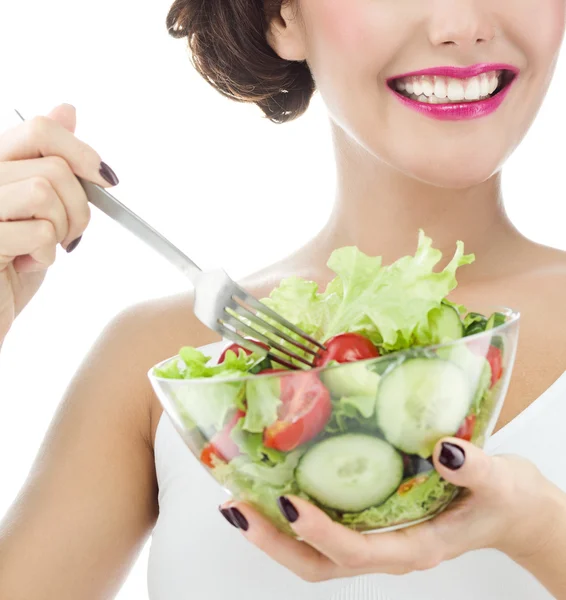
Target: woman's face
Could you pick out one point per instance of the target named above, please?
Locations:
(383, 68)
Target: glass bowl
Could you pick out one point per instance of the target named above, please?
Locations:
(355, 439)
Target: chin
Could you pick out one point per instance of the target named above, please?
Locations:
(456, 168)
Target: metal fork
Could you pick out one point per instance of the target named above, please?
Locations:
(220, 303)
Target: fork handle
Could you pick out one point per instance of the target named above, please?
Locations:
(112, 207)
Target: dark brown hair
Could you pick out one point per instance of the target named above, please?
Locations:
(229, 48)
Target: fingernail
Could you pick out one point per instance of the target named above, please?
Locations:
(74, 244)
(107, 173)
(239, 520)
(226, 514)
(288, 509)
(451, 456)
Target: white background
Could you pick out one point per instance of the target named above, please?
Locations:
(193, 164)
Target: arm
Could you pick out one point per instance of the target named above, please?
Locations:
(548, 561)
(91, 498)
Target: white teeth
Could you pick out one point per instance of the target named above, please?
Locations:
(493, 83)
(473, 89)
(440, 87)
(417, 87)
(443, 90)
(455, 90)
(428, 88)
(484, 84)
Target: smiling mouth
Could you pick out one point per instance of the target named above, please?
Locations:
(435, 89)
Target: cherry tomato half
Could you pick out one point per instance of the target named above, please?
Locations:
(346, 347)
(467, 429)
(305, 410)
(496, 363)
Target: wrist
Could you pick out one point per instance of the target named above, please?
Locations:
(539, 528)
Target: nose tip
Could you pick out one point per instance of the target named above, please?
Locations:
(462, 30)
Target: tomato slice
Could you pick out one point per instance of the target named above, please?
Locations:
(495, 360)
(222, 446)
(346, 347)
(493, 356)
(235, 348)
(467, 429)
(305, 410)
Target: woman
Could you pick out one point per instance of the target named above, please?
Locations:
(412, 151)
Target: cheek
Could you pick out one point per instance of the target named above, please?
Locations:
(538, 28)
(348, 37)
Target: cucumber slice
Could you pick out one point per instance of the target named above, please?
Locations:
(351, 379)
(420, 401)
(350, 472)
(446, 324)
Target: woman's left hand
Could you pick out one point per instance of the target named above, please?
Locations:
(508, 505)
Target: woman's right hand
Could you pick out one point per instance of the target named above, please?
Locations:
(42, 203)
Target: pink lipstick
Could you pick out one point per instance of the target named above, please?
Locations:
(455, 93)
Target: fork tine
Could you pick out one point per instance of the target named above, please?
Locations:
(247, 314)
(242, 341)
(261, 307)
(236, 323)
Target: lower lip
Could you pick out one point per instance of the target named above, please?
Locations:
(463, 111)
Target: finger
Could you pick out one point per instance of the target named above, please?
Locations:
(466, 465)
(34, 198)
(293, 554)
(395, 553)
(42, 136)
(63, 181)
(36, 238)
(66, 115)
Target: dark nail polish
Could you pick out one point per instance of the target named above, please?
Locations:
(239, 519)
(288, 509)
(107, 173)
(74, 244)
(226, 514)
(451, 456)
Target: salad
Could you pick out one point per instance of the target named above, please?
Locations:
(354, 435)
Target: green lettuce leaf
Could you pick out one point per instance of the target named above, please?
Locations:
(388, 304)
(252, 445)
(262, 395)
(193, 364)
(206, 406)
(422, 500)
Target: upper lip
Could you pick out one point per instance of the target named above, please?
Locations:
(459, 72)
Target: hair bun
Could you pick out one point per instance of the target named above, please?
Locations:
(228, 44)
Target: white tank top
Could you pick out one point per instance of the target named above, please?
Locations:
(195, 554)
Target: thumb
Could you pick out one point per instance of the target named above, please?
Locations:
(66, 115)
(466, 465)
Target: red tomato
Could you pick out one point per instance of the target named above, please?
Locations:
(496, 363)
(493, 357)
(346, 347)
(222, 446)
(305, 410)
(467, 429)
(236, 349)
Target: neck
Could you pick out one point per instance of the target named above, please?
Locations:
(380, 210)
